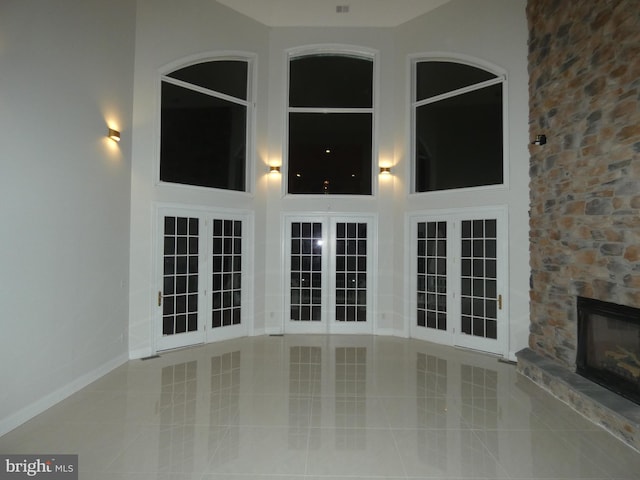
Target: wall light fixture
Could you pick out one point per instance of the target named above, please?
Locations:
(385, 170)
(114, 135)
(274, 169)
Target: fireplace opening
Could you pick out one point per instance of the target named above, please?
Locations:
(609, 346)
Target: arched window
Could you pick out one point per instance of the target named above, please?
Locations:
(458, 126)
(330, 136)
(205, 117)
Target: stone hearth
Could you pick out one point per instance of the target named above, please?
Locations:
(616, 414)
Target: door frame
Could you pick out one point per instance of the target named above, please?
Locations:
(204, 333)
(452, 336)
(328, 324)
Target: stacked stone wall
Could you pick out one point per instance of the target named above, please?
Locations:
(584, 85)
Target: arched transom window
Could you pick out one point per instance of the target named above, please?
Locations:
(458, 137)
(330, 135)
(205, 118)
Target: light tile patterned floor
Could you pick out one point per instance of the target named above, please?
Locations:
(322, 407)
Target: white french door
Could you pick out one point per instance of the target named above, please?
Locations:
(459, 277)
(201, 269)
(329, 274)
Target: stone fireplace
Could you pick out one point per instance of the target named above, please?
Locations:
(584, 89)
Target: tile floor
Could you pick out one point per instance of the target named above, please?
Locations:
(322, 407)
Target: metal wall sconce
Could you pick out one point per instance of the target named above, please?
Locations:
(385, 170)
(274, 169)
(114, 135)
(540, 140)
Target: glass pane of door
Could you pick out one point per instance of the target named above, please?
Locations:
(306, 272)
(432, 275)
(478, 269)
(226, 270)
(351, 272)
(180, 275)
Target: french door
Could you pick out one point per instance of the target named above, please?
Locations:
(458, 278)
(329, 274)
(202, 294)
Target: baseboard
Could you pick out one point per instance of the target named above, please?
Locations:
(27, 413)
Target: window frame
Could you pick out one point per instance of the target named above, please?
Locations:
(250, 103)
(414, 104)
(337, 50)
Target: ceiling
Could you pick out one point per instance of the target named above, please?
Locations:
(332, 13)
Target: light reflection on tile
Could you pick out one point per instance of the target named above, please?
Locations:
(322, 407)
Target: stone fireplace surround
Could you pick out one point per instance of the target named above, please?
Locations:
(584, 89)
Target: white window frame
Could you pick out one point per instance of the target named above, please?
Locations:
(338, 50)
(250, 103)
(414, 104)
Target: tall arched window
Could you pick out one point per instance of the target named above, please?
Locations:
(330, 137)
(205, 117)
(458, 126)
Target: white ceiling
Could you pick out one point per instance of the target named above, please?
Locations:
(323, 13)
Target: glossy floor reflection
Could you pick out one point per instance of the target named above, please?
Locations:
(322, 407)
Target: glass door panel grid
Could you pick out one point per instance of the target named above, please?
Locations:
(479, 278)
(432, 275)
(226, 273)
(306, 271)
(351, 272)
(180, 275)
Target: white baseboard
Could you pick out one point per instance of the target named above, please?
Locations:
(27, 413)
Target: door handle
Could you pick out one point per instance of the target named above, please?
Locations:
(159, 299)
(499, 302)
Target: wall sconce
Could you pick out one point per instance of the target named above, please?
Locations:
(385, 170)
(114, 135)
(540, 140)
(274, 169)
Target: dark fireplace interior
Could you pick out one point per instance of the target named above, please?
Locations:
(609, 346)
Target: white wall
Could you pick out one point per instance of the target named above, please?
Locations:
(66, 72)
(493, 31)
(168, 32)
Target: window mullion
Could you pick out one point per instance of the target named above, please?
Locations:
(206, 91)
(329, 110)
(460, 91)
